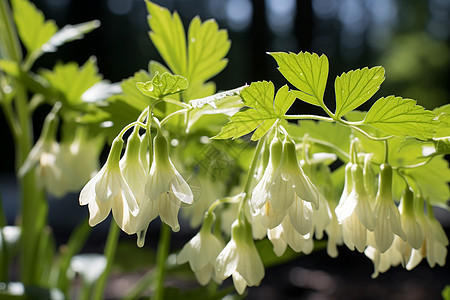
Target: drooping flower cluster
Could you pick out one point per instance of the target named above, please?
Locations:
(284, 190)
(387, 234)
(62, 167)
(135, 194)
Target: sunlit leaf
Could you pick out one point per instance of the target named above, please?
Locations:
(443, 121)
(401, 117)
(226, 103)
(131, 94)
(432, 181)
(207, 47)
(168, 36)
(71, 81)
(262, 113)
(307, 72)
(69, 33)
(356, 87)
(163, 85)
(33, 30)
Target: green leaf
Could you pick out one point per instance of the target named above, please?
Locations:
(69, 33)
(163, 85)
(35, 83)
(401, 117)
(432, 181)
(332, 133)
(202, 57)
(207, 47)
(225, 103)
(446, 292)
(442, 146)
(168, 36)
(443, 121)
(307, 72)
(356, 87)
(263, 112)
(132, 95)
(33, 30)
(71, 81)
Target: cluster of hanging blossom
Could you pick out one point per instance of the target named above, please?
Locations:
(135, 192)
(63, 167)
(286, 200)
(283, 204)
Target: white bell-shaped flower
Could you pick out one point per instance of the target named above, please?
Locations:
(281, 184)
(45, 156)
(165, 185)
(291, 181)
(260, 194)
(386, 214)
(436, 241)
(240, 259)
(201, 252)
(135, 175)
(354, 210)
(285, 234)
(412, 228)
(383, 261)
(301, 216)
(80, 159)
(108, 191)
(321, 217)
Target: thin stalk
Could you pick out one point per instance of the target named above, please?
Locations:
(167, 118)
(329, 145)
(109, 253)
(308, 117)
(251, 172)
(139, 287)
(161, 258)
(33, 204)
(136, 123)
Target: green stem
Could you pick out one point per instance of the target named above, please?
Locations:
(329, 145)
(161, 258)
(308, 117)
(136, 123)
(182, 104)
(12, 45)
(140, 286)
(167, 118)
(109, 253)
(251, 172)
(33, 204)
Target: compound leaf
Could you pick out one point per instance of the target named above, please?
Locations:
(33, 30)
(163, 85)
(307, 72)
(168, 36)
(71, 81)
(207, 47)
(69, 33)
(401, 117)
(262, 113)
(356, 87)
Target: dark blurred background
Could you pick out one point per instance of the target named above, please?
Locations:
(409, 38)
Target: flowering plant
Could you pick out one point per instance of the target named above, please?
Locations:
(264, 174)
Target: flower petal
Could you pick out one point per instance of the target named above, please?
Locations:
(98, 211)
(226, 261)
